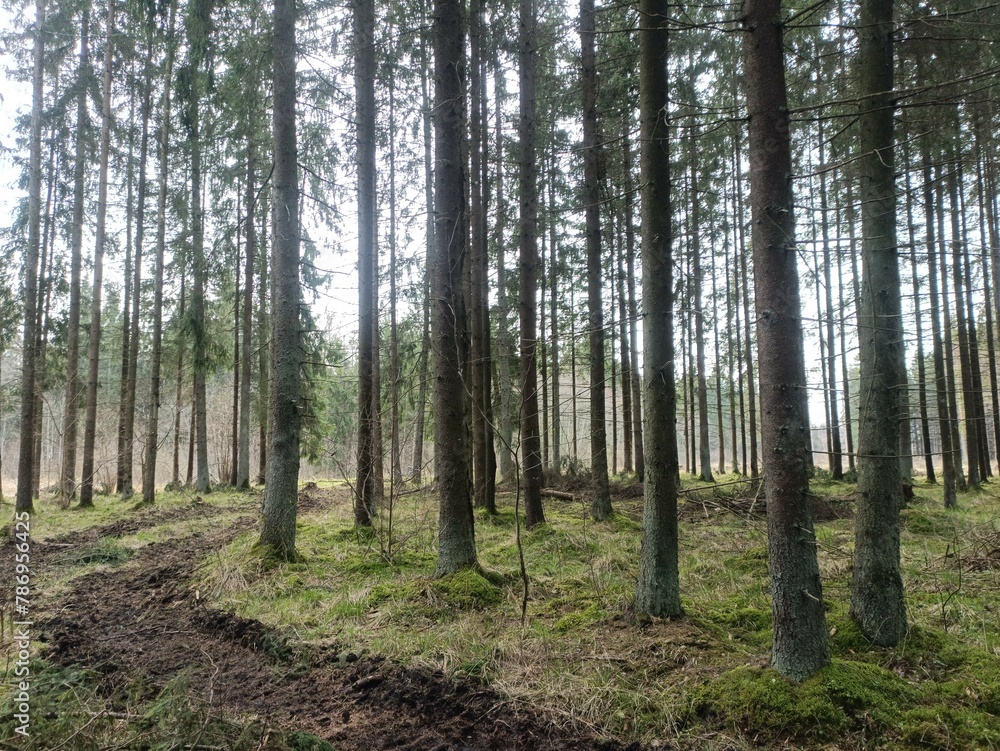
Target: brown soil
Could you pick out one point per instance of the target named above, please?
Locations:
(142, 620)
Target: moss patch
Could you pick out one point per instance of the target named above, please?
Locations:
(467, 589)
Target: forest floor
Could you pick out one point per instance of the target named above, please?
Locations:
(162, 628)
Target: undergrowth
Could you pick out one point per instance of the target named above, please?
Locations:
(701, 681)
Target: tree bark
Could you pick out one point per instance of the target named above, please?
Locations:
(281, 494)
(364, 85)
(877, 600)
(71, 409)
(23, 501)
(636, 381)
(94, 353)
(800, 637)
(456, 531)
(531, 453)
(658, 587)
(600, 506)
(156, 352)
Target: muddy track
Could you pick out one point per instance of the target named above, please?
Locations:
(143, 620)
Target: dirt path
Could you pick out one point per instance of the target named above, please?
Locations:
(142, 620)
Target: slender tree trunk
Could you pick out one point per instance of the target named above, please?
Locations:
(71, 409)
(365, 502)
(281, 494)
(991, 278)
(925, 428)
(128, 423)
(800, 637)
(395, 459)
(718, 367)
(837, 465)
(531, 452)
(940, 372)
(90, 420)
(243, 460)
(601, 501)
(425, 343)
(554, 276)
(23, 501)
(964, 346)
(747, 337)
(263, 347)
(704, 446)
(949, 346)
(179, 390)
(156, 352)
(234, 446)
(505, 344)
(456, 531)
(636, 380)
(878, 604)
(658, 588)
(625, 352)
(119, 483)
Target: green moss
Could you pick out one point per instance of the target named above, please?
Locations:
(743, 617)
(943, 727)
(926, 521)
(579, 619)
(467, 589)
(750, 561)
(841, 697)
(863, 689)
(761, 700)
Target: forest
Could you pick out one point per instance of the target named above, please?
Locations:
(513, 375)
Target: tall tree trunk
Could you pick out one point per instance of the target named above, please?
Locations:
(264, 346)
(425, 344)
(198, 28)
(991, 276)
(601, 502)
(179, 388)
(156, 351)
(837, 465)
(531, 452)
(71, 409)
(119, 483)
(234, 446)
(940, 372)
(925, 428)
(704, 447)
(658, 589)
(964, 346)
(718, 367)
(505, 343)
(949, 344)
(456, 531)
(554, 276)
(878, 604)
(23, 501)
(636, 382)
(747, 337)
(364, 85)
(281, 493)
(625, 352)
(800, 637)
(94, 350)
(243, 461)
(126, 461)
(484, 462)
(395, 460)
